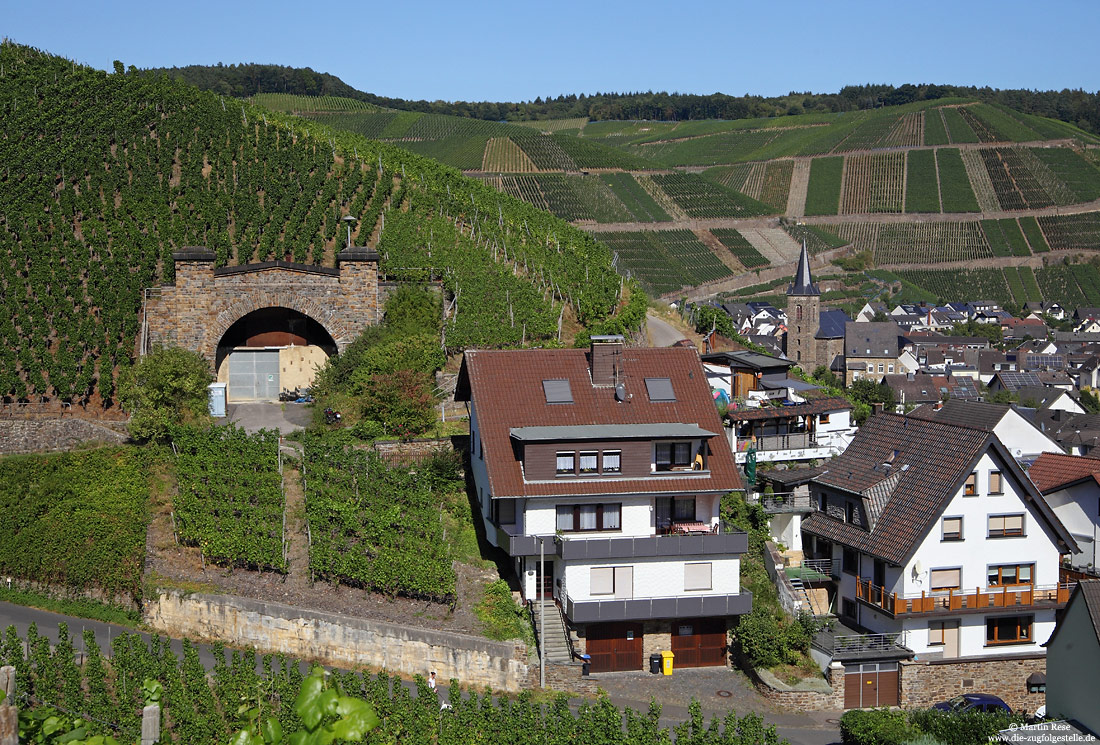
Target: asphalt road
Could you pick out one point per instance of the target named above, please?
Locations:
(662, 334)
(798, 727)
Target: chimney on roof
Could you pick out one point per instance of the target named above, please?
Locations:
(604, 359)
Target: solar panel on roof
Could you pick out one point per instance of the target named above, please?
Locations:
(660, 389)
(557, 391)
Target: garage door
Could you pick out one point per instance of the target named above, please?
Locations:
(699, 642)
(254, 375)
(614, 646)
(870, 684)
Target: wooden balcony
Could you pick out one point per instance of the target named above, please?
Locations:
(1022, 597)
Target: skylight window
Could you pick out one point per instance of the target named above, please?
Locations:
(557, 391)
(660, 389)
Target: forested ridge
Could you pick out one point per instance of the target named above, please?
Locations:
(105, 174)
(1078, 107)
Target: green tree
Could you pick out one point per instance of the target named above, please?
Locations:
(166, 387)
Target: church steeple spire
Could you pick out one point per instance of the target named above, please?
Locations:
(803, 284)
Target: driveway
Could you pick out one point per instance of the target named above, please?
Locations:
(286, 418)
(719, 690)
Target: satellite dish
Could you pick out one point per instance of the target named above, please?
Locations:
(620, 392)
(918, 568)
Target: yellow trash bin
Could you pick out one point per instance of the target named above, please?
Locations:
(666, 662)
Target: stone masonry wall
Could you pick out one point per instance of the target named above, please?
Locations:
(925, 683)
(46, 435)
(824, 695)
(342, 641)
(199, 308)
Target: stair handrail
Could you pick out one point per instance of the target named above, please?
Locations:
(534, 626)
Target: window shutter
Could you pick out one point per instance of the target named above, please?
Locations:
(697, 576)
(603, 580)
(944, 579)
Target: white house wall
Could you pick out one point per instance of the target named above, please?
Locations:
(655, 578)
(1021, 438)
(1078, 507)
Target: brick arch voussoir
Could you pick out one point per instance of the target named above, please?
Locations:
(238, 309)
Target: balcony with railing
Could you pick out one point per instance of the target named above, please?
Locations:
(1022, 597)
(788, 503)
(794, 441)
(692, 539)
(644, 608)
(844, 644)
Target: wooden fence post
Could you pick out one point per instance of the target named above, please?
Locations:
(9, 715)
(150, 725)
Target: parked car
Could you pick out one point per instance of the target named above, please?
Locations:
(974, 702)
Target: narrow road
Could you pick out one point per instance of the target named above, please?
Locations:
(661, 334)
(798, 727)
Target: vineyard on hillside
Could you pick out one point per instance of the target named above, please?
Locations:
(739, 246)
(698, 197)
(873, 183)
(918, 243)
(378, 526)
(126, 169)
(230, 501)
(76, 520)
(665, 260)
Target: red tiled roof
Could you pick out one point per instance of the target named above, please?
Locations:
(1051, 471)
(506, 390)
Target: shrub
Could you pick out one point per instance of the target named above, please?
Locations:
(166, 387)
(761, 639)
(961, 728)
(501, 617)
(874, 727)
(401, 401)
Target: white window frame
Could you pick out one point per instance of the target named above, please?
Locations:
(693, 576)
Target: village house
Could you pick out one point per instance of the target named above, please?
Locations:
(600, 473)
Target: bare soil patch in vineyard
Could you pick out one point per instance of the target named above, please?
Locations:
(173, 566)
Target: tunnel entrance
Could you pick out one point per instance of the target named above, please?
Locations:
(270, 349)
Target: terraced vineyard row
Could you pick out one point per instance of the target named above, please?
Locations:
(701, 198)
(504, 156)
(917, 243)
(873, 183)
(1005, 238)
(768, 181)
(665, 261)
(1071, 284)
(1072, 231)
(294, 104)
(739, 246)
(635, 199)
(986, 284)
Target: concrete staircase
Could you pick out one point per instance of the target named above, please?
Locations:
(553, 642)
(811, 604)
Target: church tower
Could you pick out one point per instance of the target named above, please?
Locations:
(803, 305)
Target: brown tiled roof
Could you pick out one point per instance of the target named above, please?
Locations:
(927, 464)
(977, 414)
(813, 406)
(1052, 471)
(506, 388)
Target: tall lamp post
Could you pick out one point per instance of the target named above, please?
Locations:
(349, 221)
(542, 610)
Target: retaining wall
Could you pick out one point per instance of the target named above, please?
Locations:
(34, 435)
(342, 641)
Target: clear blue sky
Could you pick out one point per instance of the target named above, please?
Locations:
(509, 51)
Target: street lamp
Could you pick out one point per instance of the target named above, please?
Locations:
(349, 221)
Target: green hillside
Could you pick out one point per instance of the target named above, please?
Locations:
(104, 175)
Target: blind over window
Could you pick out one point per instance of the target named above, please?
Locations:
(603, 580)
(946, 579)
(697, 576)
(683, 509)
